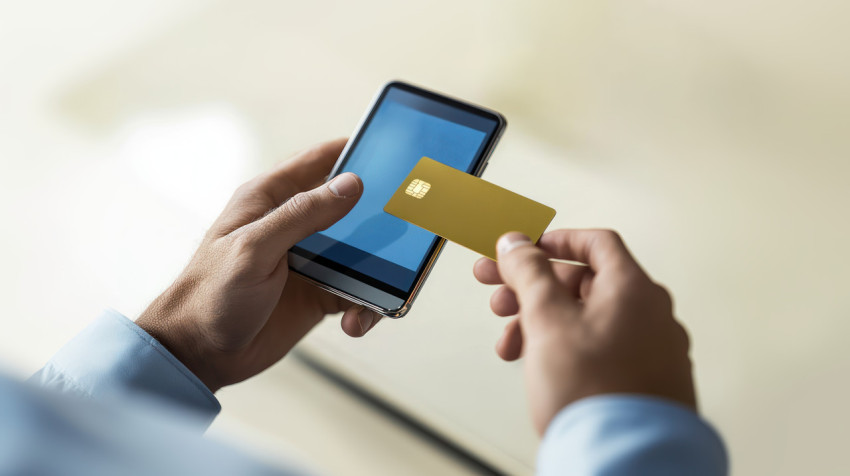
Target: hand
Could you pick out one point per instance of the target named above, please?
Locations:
(585, 330)
(236, 310)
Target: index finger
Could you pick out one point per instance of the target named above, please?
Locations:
(599, 249)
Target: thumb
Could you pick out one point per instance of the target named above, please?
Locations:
(304, 214)
(526, 270)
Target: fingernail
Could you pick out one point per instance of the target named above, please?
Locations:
(511, 240)
(365, 318)
(344, 185)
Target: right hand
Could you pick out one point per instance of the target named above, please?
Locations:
(585, 330)
(236, 309)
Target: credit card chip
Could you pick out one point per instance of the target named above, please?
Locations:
(418, 188)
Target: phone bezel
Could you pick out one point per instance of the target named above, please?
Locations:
(350, 287)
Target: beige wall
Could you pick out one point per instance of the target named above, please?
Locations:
(712, 134)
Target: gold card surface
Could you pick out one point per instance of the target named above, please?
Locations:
(465, 209)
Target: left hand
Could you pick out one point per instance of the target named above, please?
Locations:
(603, 328)
(236, 310)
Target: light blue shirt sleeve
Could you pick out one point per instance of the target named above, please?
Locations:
(114, 356)
(130, 407)
(46, 433)
(630, 434)
(114, 401)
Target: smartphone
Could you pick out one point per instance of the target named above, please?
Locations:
(373, 258)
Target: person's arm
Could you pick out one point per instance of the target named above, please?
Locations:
(235, 309)
(607, 367)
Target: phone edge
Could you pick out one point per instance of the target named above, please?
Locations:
(479, 170)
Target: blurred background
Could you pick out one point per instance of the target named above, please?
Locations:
(713, 135)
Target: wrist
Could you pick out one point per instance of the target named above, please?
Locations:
(173, 323)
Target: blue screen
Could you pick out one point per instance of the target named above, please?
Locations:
(399, 134)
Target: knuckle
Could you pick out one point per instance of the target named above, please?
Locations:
(244, 254)
(246, 188)
(640, 290)
(610, 236)
(244, 244)
(663, 294)
(300, 206)
(630, 280)
(684, 336)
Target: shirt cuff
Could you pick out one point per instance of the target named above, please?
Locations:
(113, 356)
(630, 434)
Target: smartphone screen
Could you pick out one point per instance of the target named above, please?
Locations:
(404, 125)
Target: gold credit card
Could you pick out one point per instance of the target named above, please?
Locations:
(465, 209)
